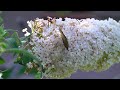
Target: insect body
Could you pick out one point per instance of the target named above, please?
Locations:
(64, 39)
(51, 20)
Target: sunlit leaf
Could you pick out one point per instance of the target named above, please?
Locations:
(5, 34)
(3, 45)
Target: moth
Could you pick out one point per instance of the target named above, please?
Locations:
(64, 39)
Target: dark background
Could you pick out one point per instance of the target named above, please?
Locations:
(18, 20)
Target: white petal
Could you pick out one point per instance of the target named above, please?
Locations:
(24, 30)
(27, 34)
(30, 23)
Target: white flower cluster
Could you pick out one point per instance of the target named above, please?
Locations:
(94, 45)
(29, 65)
(26, 32)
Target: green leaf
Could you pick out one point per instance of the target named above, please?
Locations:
(22, 70)
(23, 55)
(11, 30)
(24, 59)
(11, 43)
(38, 75)
(1, 20)
(5, 34)
(16, 37)
(3, 45)
(2, 39)
(25, 38)
(21, 51)
(2, 61)
(7, 73)
(2, 31)
(14, 41)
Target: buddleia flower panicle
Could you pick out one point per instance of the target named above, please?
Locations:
(94, 45)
